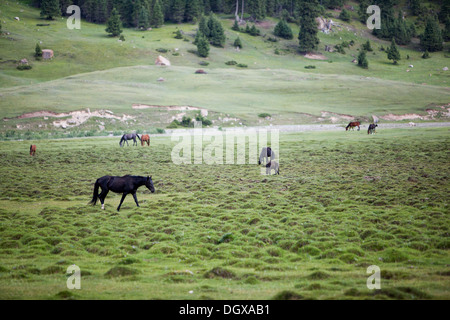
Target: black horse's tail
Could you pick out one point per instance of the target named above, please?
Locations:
(95, 196)
(346, 128)
(138, 137)
(121, 140)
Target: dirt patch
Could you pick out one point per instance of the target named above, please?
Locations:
(204, 112)
(265, 24)
(336, 117)
(438, 112)
(75, 118)
(315, 56)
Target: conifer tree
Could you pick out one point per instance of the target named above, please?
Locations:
(393, 53)
(362, 60)
(157, 17)
(238, 43)
(283, 30)
(202, 45)
(114, 25)
(431, 39)
(143, 20)
(308, 40)
(50, 9)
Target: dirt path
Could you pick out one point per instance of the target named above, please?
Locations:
(319, 127)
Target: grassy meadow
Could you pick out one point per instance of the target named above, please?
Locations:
(343, 201)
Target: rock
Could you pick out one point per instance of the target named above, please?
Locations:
(411, 66)
(47, 54)
(445, 69)
(161, 61)
(24, 61)
(200, 71)
(17, 18)
(161, 79)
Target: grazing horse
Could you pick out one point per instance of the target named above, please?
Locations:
(352, 125)
(145, 138)
(130, 136)
(32, 150)
(372, 128)
(266, 152)
(272, 165)
(125, 185)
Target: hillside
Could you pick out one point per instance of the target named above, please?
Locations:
(93, 71)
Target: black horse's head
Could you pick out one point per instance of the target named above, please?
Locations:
(149, 184)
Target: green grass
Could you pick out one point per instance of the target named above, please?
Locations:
(343, 201)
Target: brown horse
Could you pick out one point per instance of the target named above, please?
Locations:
(145, 138)
(32, 150)
(352, 125)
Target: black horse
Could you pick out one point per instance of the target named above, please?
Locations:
(130, 136)
(372, 128)
(266, 152)
(126, 184)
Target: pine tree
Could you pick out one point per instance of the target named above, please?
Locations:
(157, 17)
(50, 9)
(431, 39)
(393, 53)
(238, 43)
(362, 11)
(38, 51)
(345, 15)
(308, 40)
(235, 26)
(178, 9)
(114, 25)
(217, 34)
(192, 11)
(202, 46)
(367, 46)
(143, 21)
(283, 30)
(362, 60)
(203, 27)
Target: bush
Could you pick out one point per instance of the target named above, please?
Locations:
(162, 50)
(203, 63)
(264, 115)
(283, 30)
(178, 34)
(238, 43)
(231, 63)
(173, 125)
(310, 67)
(122, 38)
(426, 55)
(367, 47)
(24, 67)
(362, 60)
(345, 15)
(339, 48)
(241, 65)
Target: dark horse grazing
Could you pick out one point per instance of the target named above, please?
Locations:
(272, 165)
(352, 125)
(266, 152)
(32, 150)
(371, 129)
(126, 184)
(130, 136)
(145, 138)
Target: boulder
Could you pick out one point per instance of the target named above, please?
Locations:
(161, 61)
(200, 71)
(47, 54)
(445, 69)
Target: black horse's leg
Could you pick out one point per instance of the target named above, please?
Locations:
(102, 197)
(121, 200)
(135, 199)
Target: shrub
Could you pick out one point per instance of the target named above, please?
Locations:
(367, 47)
(264, 115)
(345, 15)
(24, 67)
(241, 65)
(162, 50)
(310, 67)
(362, 60)
(238, 43)
(426, 55)
(231, 63)
(178, 34)
(283, 30)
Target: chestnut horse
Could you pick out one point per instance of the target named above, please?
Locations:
(32, 150)
(352, 125)
(145, 138)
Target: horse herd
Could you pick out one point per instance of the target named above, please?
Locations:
(129, 184)
(353, 125)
